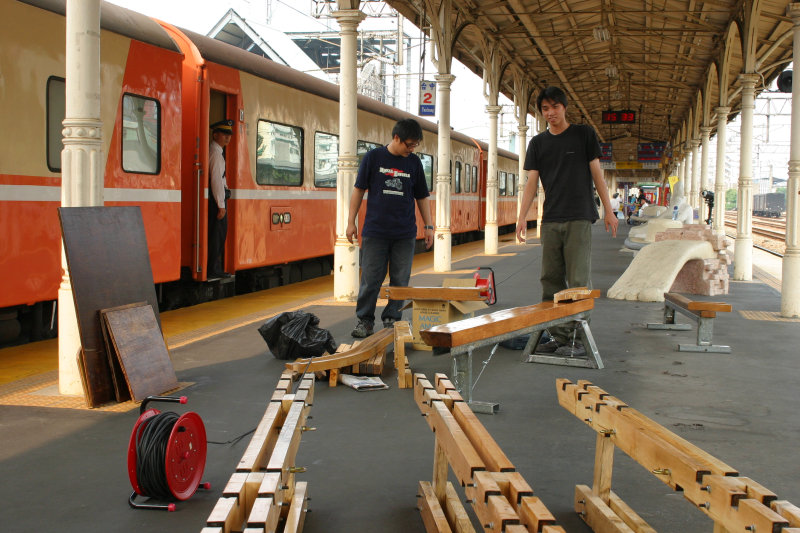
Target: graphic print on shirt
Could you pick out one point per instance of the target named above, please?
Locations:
(393, 185)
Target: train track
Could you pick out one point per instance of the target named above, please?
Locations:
(769, 234)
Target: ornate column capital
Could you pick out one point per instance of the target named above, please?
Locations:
(793, 12)
(748, 80)
(494, 109)
(722, 111)
(523, 129)
(705, 131)
(445, 80)
(349, 19)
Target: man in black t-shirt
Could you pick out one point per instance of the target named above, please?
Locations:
(394, 177)
(566, 159)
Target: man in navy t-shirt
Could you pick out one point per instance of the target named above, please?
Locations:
(566, 158)
(394, 177)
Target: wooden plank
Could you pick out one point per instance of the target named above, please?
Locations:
(366, 349)
(297, 511)
(553, 529)
(457, 516)
(251, 486)
(596, 513)
(262, 441)
(461, 455)
(456, 294)
(264, 514)
(603, 466)
(433, 516)
(575, 293)
(628, 515)
(488, 450)
(514, 487)
(493, 324)
(533, 513)
(143, 355)
(285, 449)
(787, 510)
(697, 305)
(104, 275)
(402, 335)
(226, 514)
(121, 390)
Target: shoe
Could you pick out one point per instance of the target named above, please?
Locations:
(362, 330)
(547, 344)
(571, 350)
(389, 323)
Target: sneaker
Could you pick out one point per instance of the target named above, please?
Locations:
(389, 323)
(362, 330)
(571, 350)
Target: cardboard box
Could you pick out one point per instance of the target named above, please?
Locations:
(428, 313)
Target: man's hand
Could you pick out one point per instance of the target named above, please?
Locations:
(611, 222)
(522, 225)
(351, 232)
(221, 213)
(428, 239)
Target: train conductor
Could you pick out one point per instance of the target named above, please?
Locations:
(217, 213)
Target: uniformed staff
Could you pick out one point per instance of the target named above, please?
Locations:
(221, 133)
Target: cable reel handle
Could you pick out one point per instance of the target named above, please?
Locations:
(172, 399)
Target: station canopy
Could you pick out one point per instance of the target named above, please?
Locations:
(665, 60)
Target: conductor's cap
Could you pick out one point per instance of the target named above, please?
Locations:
(225, 126)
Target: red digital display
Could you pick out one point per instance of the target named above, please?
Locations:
(619, 117)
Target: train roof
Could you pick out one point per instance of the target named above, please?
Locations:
(234, 57)
(119, 20)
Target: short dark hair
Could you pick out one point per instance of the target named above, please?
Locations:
(407, 129)
(554, 94)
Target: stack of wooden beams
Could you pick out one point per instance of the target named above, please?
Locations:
(262, 495)
(734, 503)
(498, 494)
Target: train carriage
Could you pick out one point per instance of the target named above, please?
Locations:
(161, 88)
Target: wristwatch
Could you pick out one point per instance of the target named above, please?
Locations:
(429, 227)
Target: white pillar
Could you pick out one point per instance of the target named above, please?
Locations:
(687, 174)
(81, 163)
(719, 178)
(790, 284)
(490, 231)
(705, 133)
(442, 242)
(345, 255)
(743, 251)
(698, 198)
(522, 130)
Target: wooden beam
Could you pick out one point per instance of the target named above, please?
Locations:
(596, 513)
(432, 514)
(455, 294)
(363, 351)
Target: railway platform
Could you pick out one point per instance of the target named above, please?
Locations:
(64, 467)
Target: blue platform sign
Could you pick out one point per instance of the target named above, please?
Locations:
(427, 98)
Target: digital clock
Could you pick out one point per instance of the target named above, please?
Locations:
(619, 117)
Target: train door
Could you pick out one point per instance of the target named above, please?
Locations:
(482, 177)
(222, 106)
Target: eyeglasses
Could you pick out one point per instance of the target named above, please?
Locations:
(411, 145)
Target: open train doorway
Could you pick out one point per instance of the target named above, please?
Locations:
(220, 183)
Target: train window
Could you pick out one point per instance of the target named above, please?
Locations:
(457, 180)
(362, 147)
(501, 184)
(326, 159)
(511, 185)
(475, 178)
(467, 177)
(56, 110)
(141, 134)
(279, 154)
(427, 166)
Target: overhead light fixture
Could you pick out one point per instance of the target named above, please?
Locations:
(612, 72)
(601, 34)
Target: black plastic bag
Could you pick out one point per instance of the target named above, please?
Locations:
(295, 334)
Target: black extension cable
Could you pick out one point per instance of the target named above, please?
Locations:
(151, 448)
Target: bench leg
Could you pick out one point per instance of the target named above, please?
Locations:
(669, 321)
(462, 380)
(705, 331)
(592, 359)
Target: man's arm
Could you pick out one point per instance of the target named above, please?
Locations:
(424, 206)
(531, 188)
(602, 190)
(355, 204)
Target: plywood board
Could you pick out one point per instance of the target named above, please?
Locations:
(141, 350)
(109, 266)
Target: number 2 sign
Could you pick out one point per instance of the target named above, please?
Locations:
(427, 98)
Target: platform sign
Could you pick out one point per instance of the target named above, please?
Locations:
(427, 98)
(653, 151)
(606, 152)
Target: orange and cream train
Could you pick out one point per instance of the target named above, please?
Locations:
(161, 88)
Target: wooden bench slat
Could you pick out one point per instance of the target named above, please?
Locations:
(697, 305)
(493, 324)
(456, 294)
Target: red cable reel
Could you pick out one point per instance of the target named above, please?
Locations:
(166, 455)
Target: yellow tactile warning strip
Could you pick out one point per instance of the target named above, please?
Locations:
(772, 316)
(767, 278)
(41, 390)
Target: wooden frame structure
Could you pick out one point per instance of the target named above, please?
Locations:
(498, 494)
(734, 503)
(262, 495)
(703, 313)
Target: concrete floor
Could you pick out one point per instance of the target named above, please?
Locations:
(66, 469)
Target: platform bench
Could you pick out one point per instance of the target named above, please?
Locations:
(262, 494)
(703, 313)
(499, 496)
(733, 502)
(460, 338)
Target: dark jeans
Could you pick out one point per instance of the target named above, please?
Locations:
(566, 263)
(376, 255)
(217, 232)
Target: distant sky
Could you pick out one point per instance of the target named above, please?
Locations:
(468, 105)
